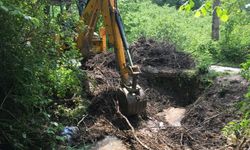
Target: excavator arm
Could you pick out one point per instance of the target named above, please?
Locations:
(130, 94)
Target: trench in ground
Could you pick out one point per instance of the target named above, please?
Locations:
(182, 89)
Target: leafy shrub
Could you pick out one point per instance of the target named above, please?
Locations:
(63, 79)
(240, 129)
(143, 18)
(235, 42)
(35, 75)
(245, 106)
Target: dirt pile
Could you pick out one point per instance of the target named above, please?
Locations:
(147, 52)
(164, 54)
(203, 119)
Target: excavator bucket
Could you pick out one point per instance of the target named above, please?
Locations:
(131, 103)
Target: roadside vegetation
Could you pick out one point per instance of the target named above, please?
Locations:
(41, 85)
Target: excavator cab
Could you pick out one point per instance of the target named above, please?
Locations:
(130, 94)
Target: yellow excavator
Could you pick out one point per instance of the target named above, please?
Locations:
(130, 95)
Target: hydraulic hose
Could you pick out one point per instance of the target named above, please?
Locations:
(124, 39)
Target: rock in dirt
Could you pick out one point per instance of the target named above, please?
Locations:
(110, 143)
(173, 116)
(152, 126)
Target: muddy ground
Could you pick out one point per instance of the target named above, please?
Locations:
(168, 84)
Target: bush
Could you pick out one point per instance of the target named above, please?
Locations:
(143, 18)
(35, 76)
(235, 40)
(240, 129)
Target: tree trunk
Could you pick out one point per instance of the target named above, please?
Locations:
(215, 22)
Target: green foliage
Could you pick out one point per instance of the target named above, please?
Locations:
(192, 34)
(241, 128)
(63, 79)
(245, 105)
(233, 46)
(246, 70)
(204, 9)
(166, 23)
(178, 3)
(235, 40)
(36, 77)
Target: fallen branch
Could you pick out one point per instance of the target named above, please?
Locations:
(210, 118)
(131, 127)
(181, 140)
(241, 144)
(84, 116)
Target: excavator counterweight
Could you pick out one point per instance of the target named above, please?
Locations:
(130, 94)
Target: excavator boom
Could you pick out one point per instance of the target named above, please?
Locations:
(130, 94)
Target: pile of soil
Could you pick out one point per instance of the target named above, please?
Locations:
(147, 52)
(164, 54)
(203, 121)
